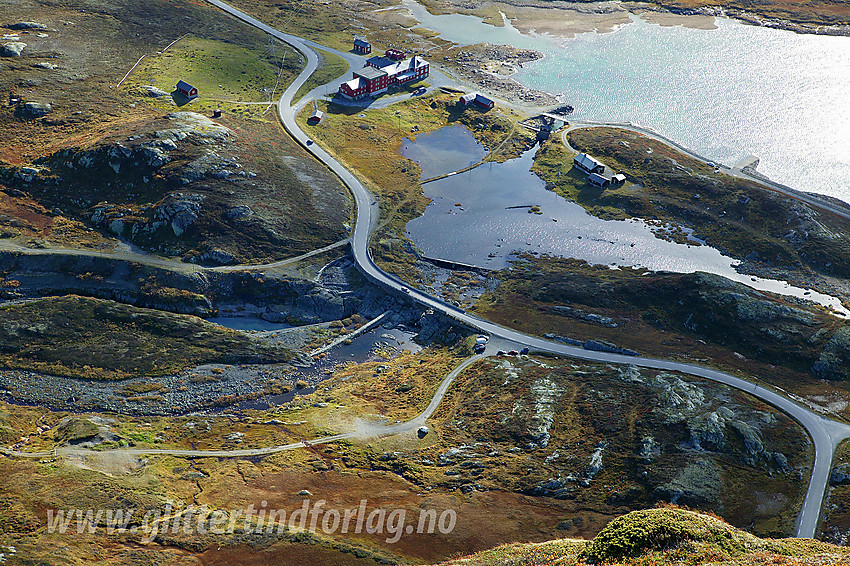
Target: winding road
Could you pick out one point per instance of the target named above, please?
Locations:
(825, 433)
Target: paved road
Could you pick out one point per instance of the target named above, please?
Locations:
(825, 433)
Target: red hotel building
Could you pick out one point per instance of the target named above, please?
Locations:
(380, 73)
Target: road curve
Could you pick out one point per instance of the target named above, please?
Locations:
(367, 430)
(825, 434)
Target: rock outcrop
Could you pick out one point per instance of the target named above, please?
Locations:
(26, 26)
(12, 49)
(833, 361)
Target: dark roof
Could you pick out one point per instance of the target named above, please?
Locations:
(183, 85)
(370, 73)
(362, 42)
(597, 179)
(476, 97)
(380, 62)
(481, 99)
(587, 162)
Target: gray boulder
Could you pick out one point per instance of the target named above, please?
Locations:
(155, 156)
(239, 212)
(180, 212)
(27, 25)
(27, 174)
(37, 109)
(840, 475)
(12, 49)
(217, 257)
(154, 92)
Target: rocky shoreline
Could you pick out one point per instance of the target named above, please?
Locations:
(489, 68)
(756, 20)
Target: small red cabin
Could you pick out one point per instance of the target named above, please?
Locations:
(394, 54)
(362, 46)
(187, 90)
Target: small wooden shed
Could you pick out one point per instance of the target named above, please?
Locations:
(187, 90)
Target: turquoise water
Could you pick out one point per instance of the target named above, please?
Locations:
(724, 93)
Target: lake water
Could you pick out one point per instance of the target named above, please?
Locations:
(724, 93)
(484, 230)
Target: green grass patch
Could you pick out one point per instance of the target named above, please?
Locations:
(225, 74)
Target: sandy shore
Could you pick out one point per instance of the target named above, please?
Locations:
(489, 68)
(566, 19)
(668, 19)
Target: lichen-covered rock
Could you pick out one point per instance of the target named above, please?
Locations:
(154, 92)
(197, 125)
(27, 25)
(239, 212)
(698, 484)
(708, 431)
(217, 257)
(180, 211)
(678, 398)
(12, 49)
(753, 444)
(649, 448)
(833, 361)
(840, 475)
(36, 109)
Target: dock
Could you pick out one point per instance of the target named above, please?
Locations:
(747, 163)
(456, 265)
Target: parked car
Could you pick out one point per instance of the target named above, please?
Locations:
(513, 353)
(524, 351)
(419, 91)
(479, 348)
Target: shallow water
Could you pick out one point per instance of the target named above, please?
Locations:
(484, 230)
(448, 149)
(724, 93)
